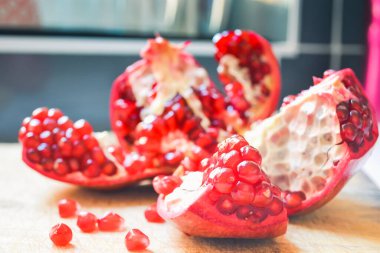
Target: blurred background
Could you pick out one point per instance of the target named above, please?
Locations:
(66, 54)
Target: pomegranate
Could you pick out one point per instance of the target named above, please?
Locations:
(151, 214)
(87, 222)
(71, 152)
(111, 222)
(317, 140)
(166, 106)
(250, 74)
(229, 196)
(67, 208)
(61, 234)
(135, 240)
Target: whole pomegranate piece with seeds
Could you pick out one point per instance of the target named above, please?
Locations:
(166, 106)
(71, 152)
(250, 74)
(317, 140)
(229, 196)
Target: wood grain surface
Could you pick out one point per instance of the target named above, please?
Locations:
(349, 223)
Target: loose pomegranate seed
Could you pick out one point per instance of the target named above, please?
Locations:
(67, 208)
(61, 234)
(111, 222)
(135, 240)
(151, 214)
(166, 184)
(87, 221)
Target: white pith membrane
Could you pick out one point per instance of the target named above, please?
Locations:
(185, 195)
(175, 72)
(229, 64)
(300, 144)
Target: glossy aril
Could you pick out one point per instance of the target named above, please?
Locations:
(61, 234)
(87, 222)
(151, 214)
(67, 208)
(237, 200)
(316, 142)
(111, 222)
(135, 240)
(166, 184)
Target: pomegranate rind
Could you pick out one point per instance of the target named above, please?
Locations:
(202, 219)
(329, 92)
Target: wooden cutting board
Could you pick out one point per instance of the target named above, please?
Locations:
(349, 223)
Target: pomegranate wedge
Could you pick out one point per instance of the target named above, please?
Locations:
(317, 141)
(71, 152)
(166, 106)
(250, 74)
(229, 196)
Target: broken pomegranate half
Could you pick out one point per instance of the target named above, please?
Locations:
(250, 74)
(229, 196)
(317, 140)
(166, 106)
(71, 152)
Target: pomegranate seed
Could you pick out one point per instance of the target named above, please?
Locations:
(47, 164)
(243, 193)
(78, 149)
(249, 172)
(65, 147)
(33, 155)
(166, 184)
(231, 159)
(225, 205)
(55, 113)
(356, 105)
(90, 142)
(223, 179)
(91, 169)
(87, 221)
(61, 234)
(244, 212)
(109, 169)
(64, 122)
(151, 214)
(44, 150)
(31, 141)
(67, 208)
(349, 131)
(173, 158)
(21, 133)
(251, 154)
(342, 111)
(294, 199)
(263, 196)
(72, 134)
(83, 127)
(74, 164)
(98, 155)
(259, 214)
(276, 206)
(135, 240)
(356, 119)
(46, 137)
(40, 113)
(35, 126)
(111, 222)
(60, 167)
